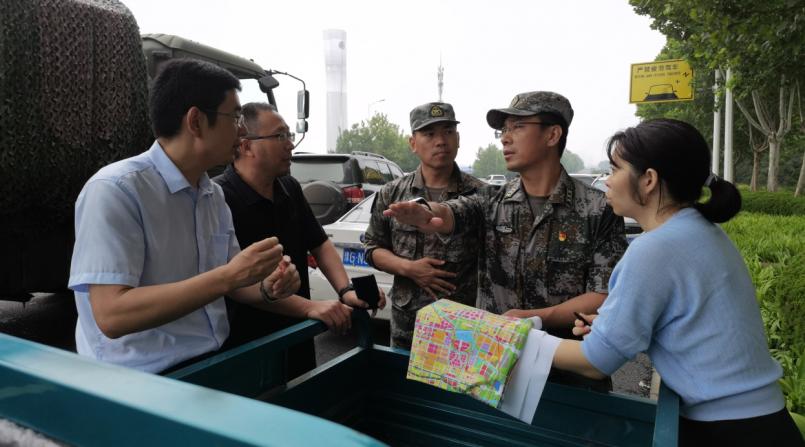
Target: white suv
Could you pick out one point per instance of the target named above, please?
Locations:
(496, 179)
(347, 234)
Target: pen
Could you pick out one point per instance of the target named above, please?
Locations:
(578, 315)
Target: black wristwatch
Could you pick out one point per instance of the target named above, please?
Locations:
(344, 290)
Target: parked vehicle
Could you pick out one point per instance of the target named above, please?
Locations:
(85, 107)
(495, 179)
(633, 228)
(588, 179)
(334, 183)
(347, 234)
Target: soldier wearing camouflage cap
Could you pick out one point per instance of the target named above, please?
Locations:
(425, 267)
(549, 242)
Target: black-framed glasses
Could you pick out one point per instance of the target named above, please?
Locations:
(281, 137)
(237, 115)
(517, 126)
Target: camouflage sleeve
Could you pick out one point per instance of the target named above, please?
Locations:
(609, 245)
(468, 212)
(378, 234)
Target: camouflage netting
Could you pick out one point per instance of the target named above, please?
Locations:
(74, 92)
(74, 98)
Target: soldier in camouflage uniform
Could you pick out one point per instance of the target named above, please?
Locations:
(425, 267)
(549, 241)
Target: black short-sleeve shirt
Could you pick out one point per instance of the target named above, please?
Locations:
(289, 218)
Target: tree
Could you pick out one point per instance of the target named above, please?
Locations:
(761, 42)
(488, 160)
(380, 136)
(572, 162)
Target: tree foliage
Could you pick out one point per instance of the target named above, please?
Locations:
(380, 136)
(572, 162)
(762, 42)
(489, 160)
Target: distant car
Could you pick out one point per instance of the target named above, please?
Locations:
(588, 179)
(347, 234)
(495, 179)
(334, 183)
(633, 228)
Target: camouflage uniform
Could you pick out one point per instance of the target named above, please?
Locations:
(459, 251)
(568, 247)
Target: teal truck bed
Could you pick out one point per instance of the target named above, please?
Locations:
(239, 398)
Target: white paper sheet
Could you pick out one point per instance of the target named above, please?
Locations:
(527, 379)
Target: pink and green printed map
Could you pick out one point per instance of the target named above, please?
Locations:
(465, 350)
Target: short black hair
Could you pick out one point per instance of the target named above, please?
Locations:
(251, 110)
(182, 84)
(681, 157)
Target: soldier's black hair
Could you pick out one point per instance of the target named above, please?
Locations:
(681, 157)
(182, 84)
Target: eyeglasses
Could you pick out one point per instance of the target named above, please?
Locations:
(281, 137)
(516, 127)
(237, 115)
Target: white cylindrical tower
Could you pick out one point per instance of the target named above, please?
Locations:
(335, 63)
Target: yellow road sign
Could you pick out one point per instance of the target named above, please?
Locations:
(661, 81)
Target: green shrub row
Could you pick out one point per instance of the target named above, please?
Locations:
(774, 249)
(776, 203)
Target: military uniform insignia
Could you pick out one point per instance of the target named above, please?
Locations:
(436, 111)
(562, 236)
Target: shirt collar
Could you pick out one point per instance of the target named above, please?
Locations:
(246, 192)
(173, 177)
(452, 187)
(562, 192)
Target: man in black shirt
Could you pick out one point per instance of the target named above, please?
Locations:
(266, 201)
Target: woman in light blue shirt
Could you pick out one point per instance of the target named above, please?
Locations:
(683, 295)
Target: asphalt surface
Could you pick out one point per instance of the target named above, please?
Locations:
(50, 319)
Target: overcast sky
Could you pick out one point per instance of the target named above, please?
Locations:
(490, 51)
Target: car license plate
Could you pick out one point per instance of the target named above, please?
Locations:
(355, 257)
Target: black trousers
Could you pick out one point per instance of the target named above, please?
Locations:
(775, 429)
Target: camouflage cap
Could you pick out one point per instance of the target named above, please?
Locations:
(432, 112)
(532, 103)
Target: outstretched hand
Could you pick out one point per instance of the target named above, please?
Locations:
(412, 213)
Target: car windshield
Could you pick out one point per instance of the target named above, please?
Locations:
(361, 213)
(310, 170)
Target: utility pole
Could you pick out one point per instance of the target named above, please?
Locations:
(440, 76)
(715, 165)
(728, 164)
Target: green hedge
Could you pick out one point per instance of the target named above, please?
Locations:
(776, 203)
(774, 250)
